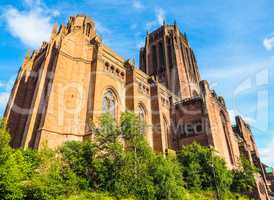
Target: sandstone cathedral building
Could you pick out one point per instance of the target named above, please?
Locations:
(74, 78)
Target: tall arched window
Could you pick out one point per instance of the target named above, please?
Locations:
(142, 117)
(109, 103)
(141, 113)
(223, 119)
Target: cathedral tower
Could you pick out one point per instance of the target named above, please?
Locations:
(168, 56)
(74, 77)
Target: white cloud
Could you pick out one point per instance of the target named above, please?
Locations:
(31, 27)
(4, 97)
(267, 154)
(160, 14)
(137, 4)
(269, 43)
(5, 89)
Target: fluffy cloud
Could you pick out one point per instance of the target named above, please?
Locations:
(269, 43)
(5, 89)
(32, 25)
(4, 97)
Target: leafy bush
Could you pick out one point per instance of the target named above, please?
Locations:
(244, 179)
(13, 168)
(117, 164)
(51, 179)
(202, 169)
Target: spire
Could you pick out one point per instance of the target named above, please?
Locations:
(164, 22)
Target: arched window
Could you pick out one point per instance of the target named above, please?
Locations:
(109, 103)
(142, 117)
(223, 119)
(141, 113)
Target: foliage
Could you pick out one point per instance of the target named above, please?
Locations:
(135, 170)
(51, 178)
(79, 156)
(5, 149)
(167, 178)
(109, 153)
(203, 169)
(244, 179)
(117, 164)
(210, 195)
(13, 168)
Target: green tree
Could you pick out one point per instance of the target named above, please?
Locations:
(145, 174)
(118, 162)
(51, 178)
(167, 178)
(244, 179)
(13, 168)
(109, 155)
(202, 169)
(79, 156)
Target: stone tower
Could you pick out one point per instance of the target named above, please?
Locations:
(50, 97)
(71, 80)
(168, 56)
(74, 77)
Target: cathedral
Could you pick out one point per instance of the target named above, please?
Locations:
(74, 77)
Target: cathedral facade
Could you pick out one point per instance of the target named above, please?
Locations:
(74, 77)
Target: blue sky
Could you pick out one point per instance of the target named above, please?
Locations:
(233, 41)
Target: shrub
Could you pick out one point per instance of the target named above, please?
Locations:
(202, 169)
(13, 168)
(244, 179)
